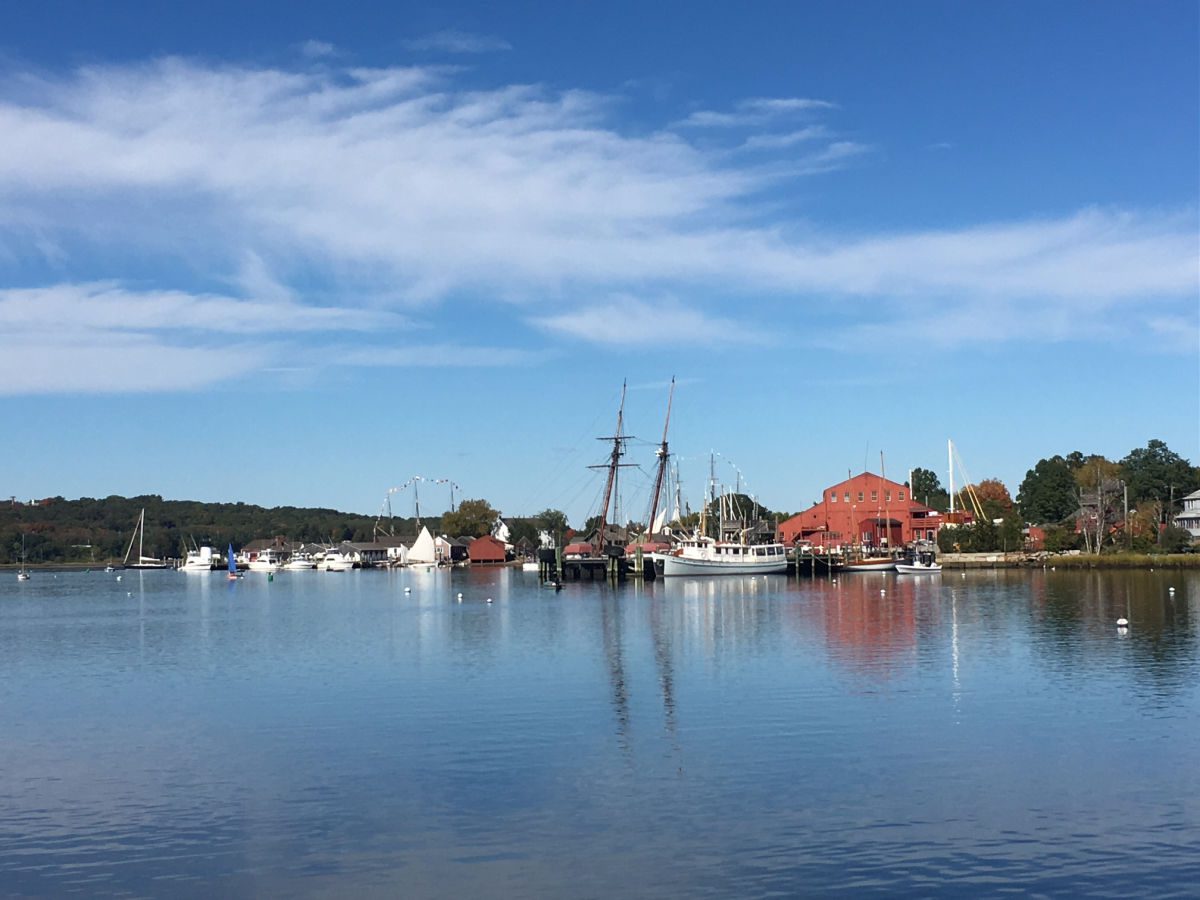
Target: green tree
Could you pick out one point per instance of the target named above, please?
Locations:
(1048, 493)
(1155, 472)
(554, 522)
(473, 517)
(927, 489)
(523, 529)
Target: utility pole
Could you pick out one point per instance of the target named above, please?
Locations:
(1125, 523)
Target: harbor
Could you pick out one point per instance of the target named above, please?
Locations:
(186, 734)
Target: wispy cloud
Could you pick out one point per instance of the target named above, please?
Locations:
(786, 139)
(452, 41)
(754, 111)
(313, 49)
(444, 355)
(396, 188)
(629, 321)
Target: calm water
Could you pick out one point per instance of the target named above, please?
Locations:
(329, 734)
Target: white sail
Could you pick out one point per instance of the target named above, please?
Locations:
(423, 550)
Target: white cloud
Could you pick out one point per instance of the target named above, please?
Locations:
(395, 187)
(441, 355)
(105, 308)
(629, 321)
(452, 41)
(313, 49)
(786, 139)
(120, 363)
(754, 111)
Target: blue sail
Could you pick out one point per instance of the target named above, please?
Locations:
(232, 561)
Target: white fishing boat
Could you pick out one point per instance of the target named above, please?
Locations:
(199, 560)
(702, 555)
(268, 560)
(142, 561)
(920, 561)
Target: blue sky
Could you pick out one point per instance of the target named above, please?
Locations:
(297, 254)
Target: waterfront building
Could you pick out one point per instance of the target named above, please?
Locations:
(1189, 519)
(865, 510)
(487, 550)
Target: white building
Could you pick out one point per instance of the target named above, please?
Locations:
(1190, 517)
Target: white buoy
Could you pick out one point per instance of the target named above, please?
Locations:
(489, 600)
(1122, 622)
(882, 592)
(118, 578)
(460, 598)
(129, 593)
(408, 590)
(1170, 590)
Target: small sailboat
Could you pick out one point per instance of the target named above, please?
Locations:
(143, 561)
(23, 573)
(233, 569)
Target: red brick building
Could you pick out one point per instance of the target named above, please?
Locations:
(866, 509)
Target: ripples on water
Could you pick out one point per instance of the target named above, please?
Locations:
(329, 734)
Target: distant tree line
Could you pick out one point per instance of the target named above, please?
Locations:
(98, 531)
(1081, 501)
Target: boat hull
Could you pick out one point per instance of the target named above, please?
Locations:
(908, 569)
(679, 565)
(870, 565)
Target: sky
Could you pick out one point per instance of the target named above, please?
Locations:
(297, 254)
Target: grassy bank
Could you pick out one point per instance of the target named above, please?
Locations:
(1064, 561)
(1126, 561)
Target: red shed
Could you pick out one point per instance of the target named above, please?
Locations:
(486, 550)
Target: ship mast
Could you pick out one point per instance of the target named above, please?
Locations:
(663, 455)
(614, 463)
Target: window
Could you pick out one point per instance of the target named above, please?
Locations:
(847, 497)
(874, 496)
(902, 496)
(833, 496)
(887, 496)
(860, 496)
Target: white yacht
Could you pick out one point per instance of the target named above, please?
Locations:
(300, 562)
(336, 561)
(202, 560)
(701, 555)
(269, 560)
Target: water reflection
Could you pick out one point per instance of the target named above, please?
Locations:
(370, 733)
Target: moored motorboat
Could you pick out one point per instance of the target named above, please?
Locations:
(701, 555)
(268, 560)
(201, 560)
(920, 560)
(336, 561)
(300, 562)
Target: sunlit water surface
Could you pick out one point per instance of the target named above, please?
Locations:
(332, 734)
